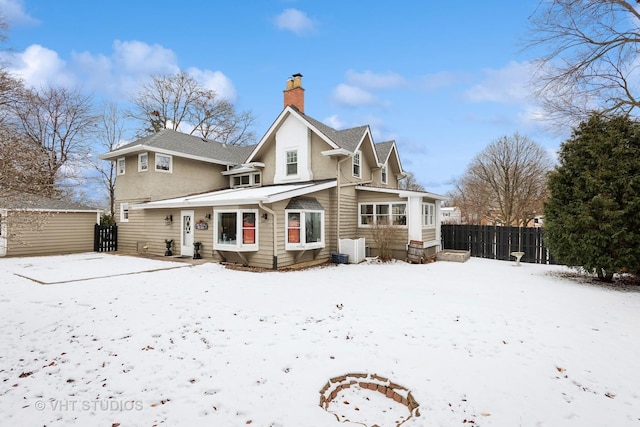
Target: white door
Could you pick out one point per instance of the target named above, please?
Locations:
(186, 236)
(3, 232)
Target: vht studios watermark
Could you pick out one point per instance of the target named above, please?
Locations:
(106, 405)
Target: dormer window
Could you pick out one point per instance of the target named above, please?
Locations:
(292, 162)
(356, 164)
(383, 172)
(245, 180)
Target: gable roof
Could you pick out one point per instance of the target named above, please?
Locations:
(385, 151)
(347, 139)
(180, 144)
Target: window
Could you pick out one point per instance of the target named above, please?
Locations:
(428, 215)
(292, 162)
(245, 180)
(383, 213)
(124, 212)
(120, 166)
(304, 229)
(383, 172)
(356, 164)
(143, 162)
(236, 230)
(163, 163)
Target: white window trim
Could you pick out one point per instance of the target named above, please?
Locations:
(157, 156)
(140, 162)
(124, 212)
(286, 163)
(375, 216)
(425, 223)
(384, 174)
(252, 180)
(356, 154)
(238, 246)
(124, 164)
(303, 246)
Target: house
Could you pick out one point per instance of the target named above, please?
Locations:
(289, 199)
(36, 225)
(451, 215)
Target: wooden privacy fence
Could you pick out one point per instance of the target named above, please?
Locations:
(495, 242)
(105, 239)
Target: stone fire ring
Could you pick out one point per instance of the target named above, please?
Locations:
(371, 382)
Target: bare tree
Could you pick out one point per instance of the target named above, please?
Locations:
(590, 62)
(506, 183)
(60, 122)
(410, 183)
(110, 132)
(178, 101)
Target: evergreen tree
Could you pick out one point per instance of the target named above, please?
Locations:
(592, 218)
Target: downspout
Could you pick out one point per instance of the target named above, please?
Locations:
(338, 185)
(275, 235)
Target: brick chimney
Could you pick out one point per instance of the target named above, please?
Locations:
(294, 93)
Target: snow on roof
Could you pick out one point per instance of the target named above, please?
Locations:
(241, 196)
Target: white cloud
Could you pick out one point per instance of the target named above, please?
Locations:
(507, 85)
(13, 11)
(353, 96)
(295, 21)
(38, 66)
(215, 80)
(117, 75)
(136, 57)
(335, 122)
(371, 80)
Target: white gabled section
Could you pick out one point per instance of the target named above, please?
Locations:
(293, 136)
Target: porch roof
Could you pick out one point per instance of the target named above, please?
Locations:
(240, 196)
(402, 193)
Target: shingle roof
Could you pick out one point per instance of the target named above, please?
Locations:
(347, 138)
(178, 142)
(32, 201)
(383, 149)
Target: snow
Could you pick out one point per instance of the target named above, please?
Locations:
(102, 339)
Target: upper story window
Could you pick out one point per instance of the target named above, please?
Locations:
(428, 215)
(383, 173)
(292, 162)
(164, 163)
(356, 164)
(245, 180)
(143, 162)
(120, 163)
(372, 214)
(236, 230)
(124, 212)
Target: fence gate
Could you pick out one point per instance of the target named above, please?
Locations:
(497, 242)
(105, 239)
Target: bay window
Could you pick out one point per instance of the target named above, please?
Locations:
(236, 230)
(304, 229)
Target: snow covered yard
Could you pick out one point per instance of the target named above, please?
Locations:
(124, 341)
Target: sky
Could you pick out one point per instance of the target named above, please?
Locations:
(442, 79)
(113, 340)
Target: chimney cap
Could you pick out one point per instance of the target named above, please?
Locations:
(297, 75)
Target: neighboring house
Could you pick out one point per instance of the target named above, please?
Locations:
(451, 215)
(35, 225)
(287, 200)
